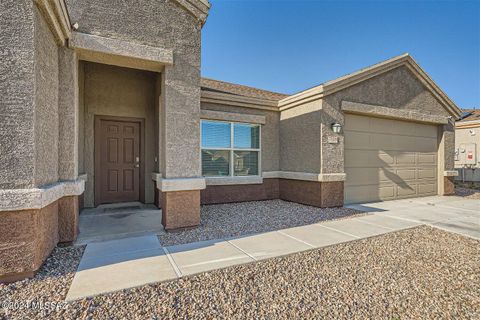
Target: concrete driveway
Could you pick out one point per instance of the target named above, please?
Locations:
(454, 214)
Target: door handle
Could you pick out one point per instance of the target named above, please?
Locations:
(137, 162)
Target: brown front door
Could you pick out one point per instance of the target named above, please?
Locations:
(117, 160)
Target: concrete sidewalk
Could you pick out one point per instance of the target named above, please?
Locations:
(453, 214)
(119, 264)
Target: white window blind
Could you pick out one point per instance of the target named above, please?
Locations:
(230, 149)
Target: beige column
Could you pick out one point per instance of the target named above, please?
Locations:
(446, 158)
(180, 147)
(68, 136)
(68, 114)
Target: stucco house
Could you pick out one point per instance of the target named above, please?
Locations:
(467, 146)
(103, 102)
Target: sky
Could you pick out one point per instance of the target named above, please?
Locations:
(290, 45)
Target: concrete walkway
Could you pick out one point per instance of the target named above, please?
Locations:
(119, 264)
(118, 221)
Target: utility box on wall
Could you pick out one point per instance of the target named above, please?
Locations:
(466, 154)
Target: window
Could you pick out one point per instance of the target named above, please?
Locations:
(230, 149)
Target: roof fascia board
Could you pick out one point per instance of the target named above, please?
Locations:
(197, 8)
(300, 98)
(56, 16)
(467, 124)
(353, 79)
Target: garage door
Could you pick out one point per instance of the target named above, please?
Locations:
(389, 159)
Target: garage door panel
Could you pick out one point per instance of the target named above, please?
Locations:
(381, 126)
(406, 159)
(427, 189)
(362, 176)
(423, 144)
(358, 140)
(388, 159)
(427, 173)
(427, 159)
(406, 189)
(381, 141)
(367, 158)
(405, 175)
(357, 123)
(357, 158)
(402, 127)
(426, 131)
(385, 159)
(357, 194)
(385, 192)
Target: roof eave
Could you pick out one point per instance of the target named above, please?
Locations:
(56, 15)
(197, 8)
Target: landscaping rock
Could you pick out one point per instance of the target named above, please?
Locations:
(237, 219)
(410, 274)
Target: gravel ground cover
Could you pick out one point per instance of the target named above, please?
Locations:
(50, 284)
(412, 274)
(468, 193)
(236, 219)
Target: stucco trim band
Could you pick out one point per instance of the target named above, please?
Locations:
(231, 116)
(305, 176)
(384, 112)
(178, 184)
(56, 16)
(450, 173)
(37, 198)
(219, 181)
(238, 101)
(120, 52)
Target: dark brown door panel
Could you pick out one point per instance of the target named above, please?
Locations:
(118, 160)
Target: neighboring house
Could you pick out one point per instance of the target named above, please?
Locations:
(467, 146)
(116, 110)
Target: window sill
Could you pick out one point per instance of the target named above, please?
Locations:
(220, 181)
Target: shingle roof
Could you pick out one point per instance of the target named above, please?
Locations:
(470, 115)
(240, 90)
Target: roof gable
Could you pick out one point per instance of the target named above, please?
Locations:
(354, 78)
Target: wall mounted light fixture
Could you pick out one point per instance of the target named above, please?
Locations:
(336, 127)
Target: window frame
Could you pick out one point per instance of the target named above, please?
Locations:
(232, 149)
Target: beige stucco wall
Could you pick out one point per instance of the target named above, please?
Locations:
(397, 89)
(17, 94)
(122, 92)
(46, 103)
(300, 138)
(270, 132)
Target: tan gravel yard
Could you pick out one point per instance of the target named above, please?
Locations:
(416, 273)
(236, 219)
